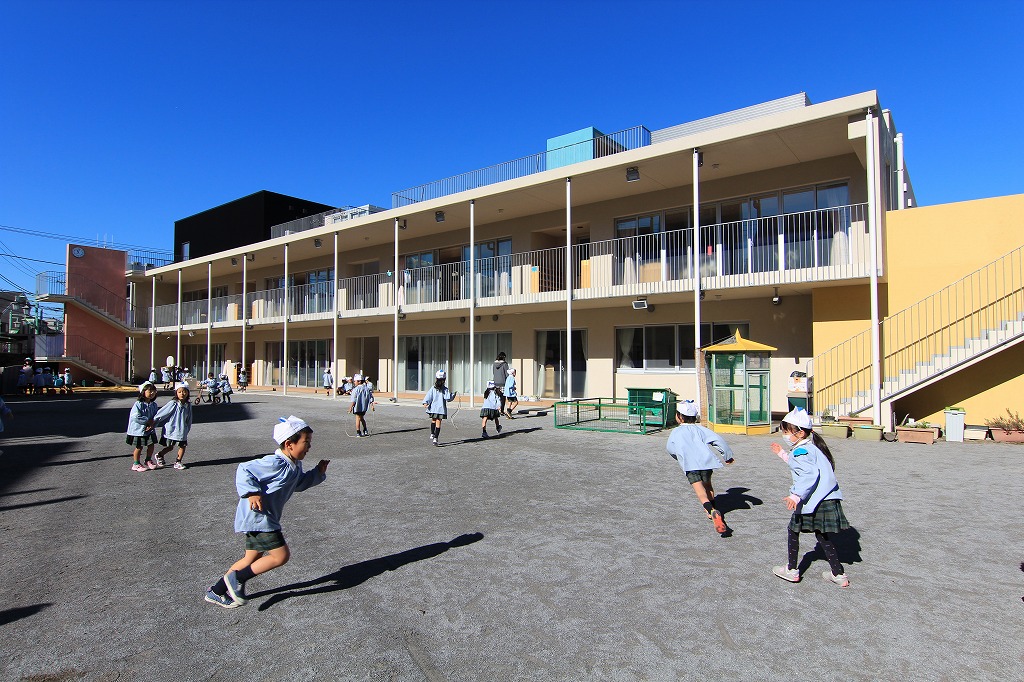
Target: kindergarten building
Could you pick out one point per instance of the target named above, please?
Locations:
(604, 261)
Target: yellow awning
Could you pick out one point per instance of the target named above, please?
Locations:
(740, 345)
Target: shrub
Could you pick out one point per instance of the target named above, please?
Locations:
(1011, 422)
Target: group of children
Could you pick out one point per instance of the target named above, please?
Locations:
(42, 380)
(814, 498)
(176, 419)
(347, 385)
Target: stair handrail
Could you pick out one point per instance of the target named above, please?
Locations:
(48, 281)
(112, 363)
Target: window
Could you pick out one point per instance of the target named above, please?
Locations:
(668, 347)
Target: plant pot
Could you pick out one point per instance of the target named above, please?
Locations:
(975, 432)
(1001, 436)
(834, 430)
(910, 434)
(867, 432)
(854, 421)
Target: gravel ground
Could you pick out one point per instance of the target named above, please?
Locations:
(543, 554)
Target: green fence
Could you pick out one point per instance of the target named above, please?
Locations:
(607, 414)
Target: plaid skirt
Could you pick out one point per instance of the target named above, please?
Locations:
(264, 541)
(489, 413)
(173, 443)
(141, 441)
(700, 475)
(436, 415)
(827, 518)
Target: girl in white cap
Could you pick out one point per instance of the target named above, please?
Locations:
(511, 395)
(141, 433)
(491, 409)
(264, 485)
(362, 400)
(691, 445)
(436, 401)
(176, 418)
(814, 497)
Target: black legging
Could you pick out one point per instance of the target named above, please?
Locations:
(827, 546)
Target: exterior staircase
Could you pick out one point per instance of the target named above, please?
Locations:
(954, 328)
(52, 287)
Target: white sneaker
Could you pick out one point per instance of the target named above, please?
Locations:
(789, 574)
(840, 579)
(179, 466)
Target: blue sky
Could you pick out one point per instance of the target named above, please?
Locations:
(118, 118)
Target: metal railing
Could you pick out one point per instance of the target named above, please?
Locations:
(166, 315)
(194, 312)
(140, 260)
(953, 325)
(311, 299)
(365, 292)
(334, 215)
(263, 305)
(631, 138)
(112, 304)
(92, 353)
(226, 308)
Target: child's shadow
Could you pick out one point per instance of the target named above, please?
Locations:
(736, 498)
(847, 544)
(355, 574)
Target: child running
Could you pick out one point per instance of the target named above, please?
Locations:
(690, 444)
(328, 381)
(264, 485)
(491, 409)
(225, 388)
(436, 401)
(511, 394)
(814, 498)
(141, 433)
(176, 418)
(362, 400)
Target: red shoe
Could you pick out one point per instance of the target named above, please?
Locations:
(716, 518)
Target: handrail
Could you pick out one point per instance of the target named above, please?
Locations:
(113, 304)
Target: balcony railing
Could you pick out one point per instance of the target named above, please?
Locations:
(311, 299)
(334, 215)
(111, 303)
(141, 260)
(631, 138)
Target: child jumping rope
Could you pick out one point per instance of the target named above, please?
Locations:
(362, 400)
(691, 445)
(436, 401)
(176, 418)
(264, 485)
(491, 409)
(141, 433)
(814, 498)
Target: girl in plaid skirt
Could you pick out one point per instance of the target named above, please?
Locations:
(814, 498)
(141, 433)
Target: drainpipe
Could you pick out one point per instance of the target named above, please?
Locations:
(394, 293)
(284, 346)
(472, 300)
(209, 313)
(696, 270)
(568, 288)
(876, 365)
(901, 189)
(334, 324)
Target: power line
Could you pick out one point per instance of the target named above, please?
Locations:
(51, 262)
(72, 238)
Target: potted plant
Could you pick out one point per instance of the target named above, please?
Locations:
(866, 432)
(1008, 429)
(830, 428)
(916, 432)
(975, 432)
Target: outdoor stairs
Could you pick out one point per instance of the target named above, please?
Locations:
(84, 364)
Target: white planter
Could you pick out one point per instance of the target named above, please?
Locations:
(975, 432)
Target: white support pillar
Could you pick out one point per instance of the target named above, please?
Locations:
(334, 325)
(152, 328)
(130, 318)
(697, 291)
(209, 314)
(245, 313)
(472, 301)
(901, 177)
(872, 177)
(284, 344)
(568, 288)
(177, 353)
(394, 294)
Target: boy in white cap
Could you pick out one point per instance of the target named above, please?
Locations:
(691, 445)
(328, 381)
(436, 401)
(264, 485)
(815, 498)
(362, 400)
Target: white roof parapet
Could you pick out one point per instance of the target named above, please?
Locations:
(796, 101)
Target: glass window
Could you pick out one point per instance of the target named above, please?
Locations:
(797, 200)
(660, 348)
(830, 196)
(629, 348)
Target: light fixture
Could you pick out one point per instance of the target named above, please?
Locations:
(494, 318)
(439, 216)
(703, 294)
(477, 318)
(632, 174)
(317, 243)
(402, 225)
(234, 262)
(462, 319)
(248, 327)
(401, 316)
(191, 333)
(250, 257)
(776, 299)
(640, 304)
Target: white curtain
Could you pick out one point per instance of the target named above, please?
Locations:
(625, 347)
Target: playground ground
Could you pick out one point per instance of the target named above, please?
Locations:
(543, 555)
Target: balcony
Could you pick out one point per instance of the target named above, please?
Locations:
(813, 246)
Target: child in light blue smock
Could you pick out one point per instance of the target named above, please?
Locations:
(362, 400)
(491, 410)
(814, 498)
(5, 413)
(264, 485)
(176, 418)
(141, 433)
(436, 401)
(691, 445)
(225, 388)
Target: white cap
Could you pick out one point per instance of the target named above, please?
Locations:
(490, 384)
(688, 408)
(511, 370)
(181, 384)
(357, 377)
(799, 418)
(146, 384)
(288, 427)
(440, 374)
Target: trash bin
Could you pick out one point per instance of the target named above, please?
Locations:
(797, 400)
(662, 402)
(955, 424)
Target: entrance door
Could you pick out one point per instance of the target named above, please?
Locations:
(552, 366)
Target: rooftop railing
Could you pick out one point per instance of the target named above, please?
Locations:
(631, 138)
(334, 215)
(139, 260)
